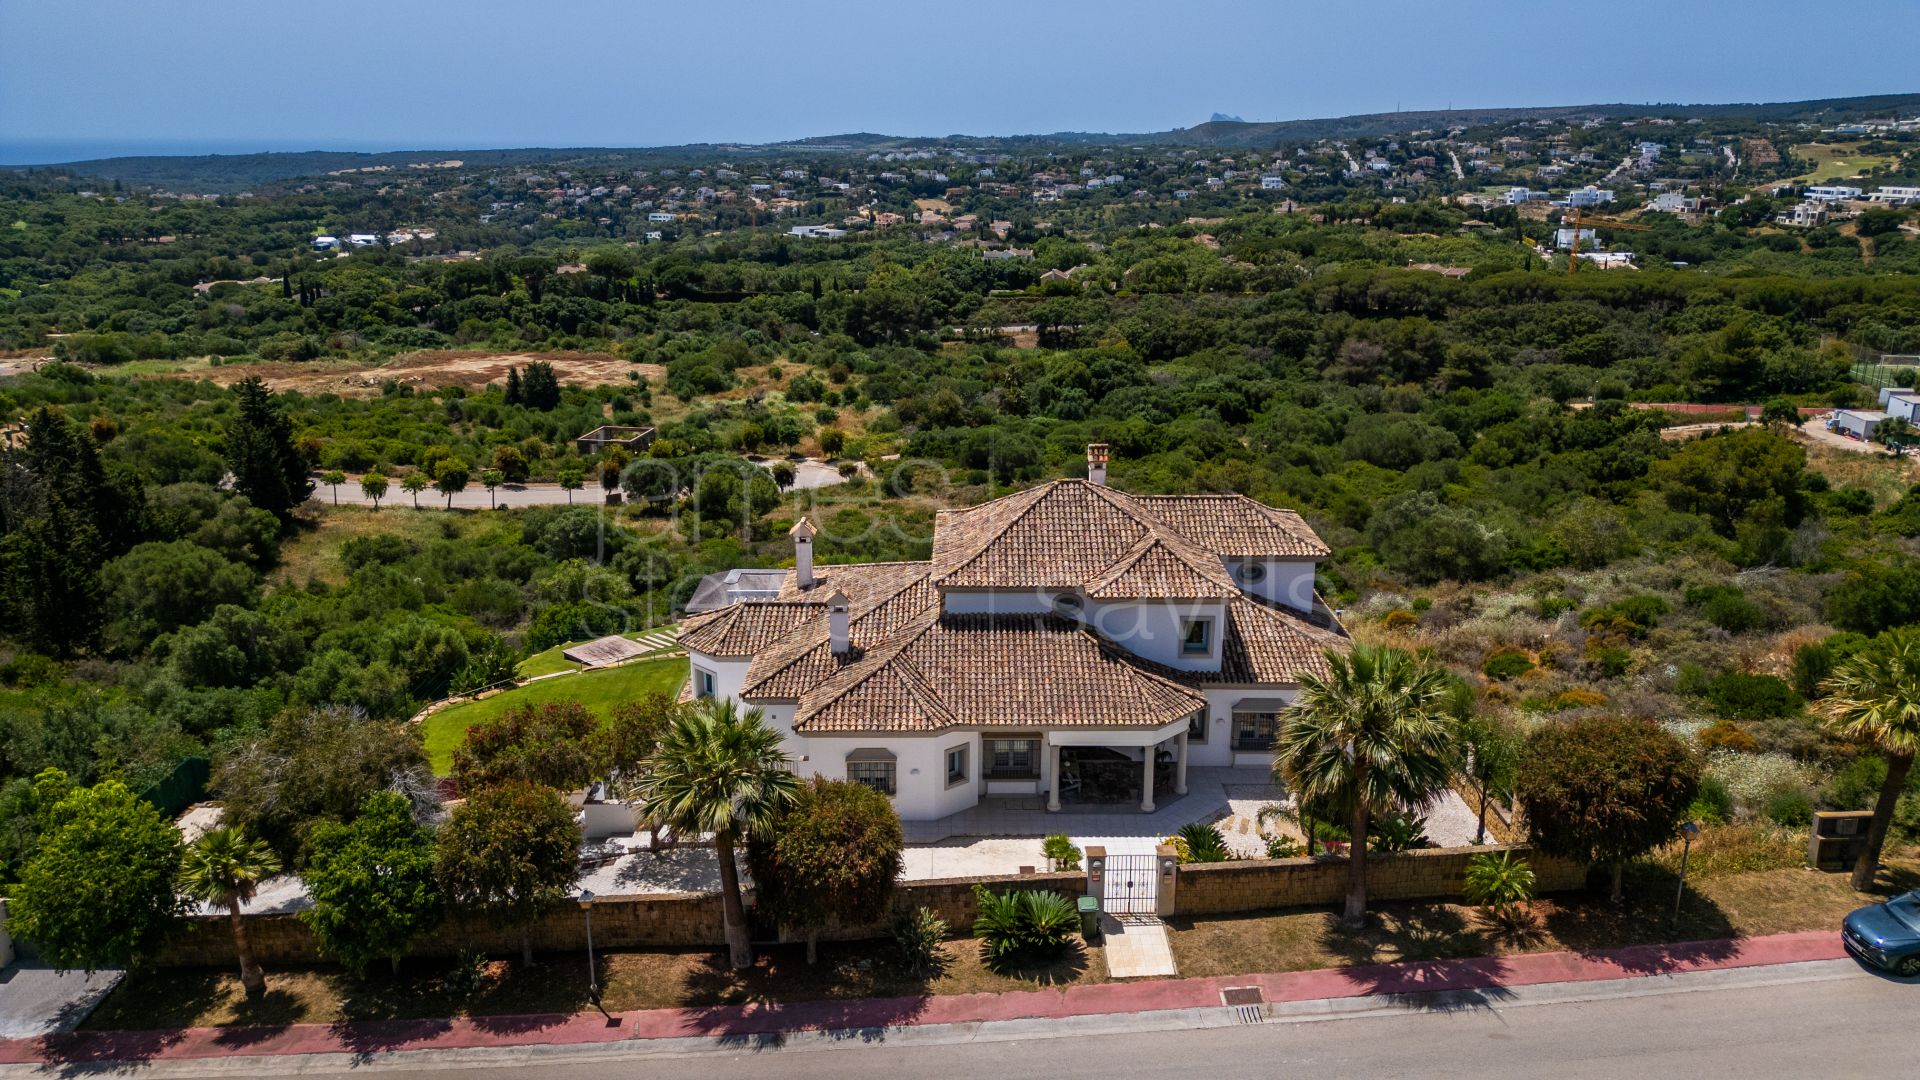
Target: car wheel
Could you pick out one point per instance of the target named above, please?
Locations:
(1908, 967)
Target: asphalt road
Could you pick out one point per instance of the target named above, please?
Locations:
(808, 476)
(1804, 1020)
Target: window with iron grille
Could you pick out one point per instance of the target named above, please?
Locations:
(1255, 730)
(877, 775)
(1013, 759)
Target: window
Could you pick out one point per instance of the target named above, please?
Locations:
(703, 684)
(877, 775)
(1196, 637)
(956, 765)
(1255, 730)
(1013, 759)
(1253, 573)
(1197, 727)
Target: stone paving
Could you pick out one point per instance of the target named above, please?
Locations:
(1137, 948)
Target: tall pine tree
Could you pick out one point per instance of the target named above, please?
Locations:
(266, 467)
(514, 396)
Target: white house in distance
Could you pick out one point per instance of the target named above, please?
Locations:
(1069, 641)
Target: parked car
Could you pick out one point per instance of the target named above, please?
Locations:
(1886, 935)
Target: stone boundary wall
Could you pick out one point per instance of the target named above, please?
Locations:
(1424, 874)
(678, 920)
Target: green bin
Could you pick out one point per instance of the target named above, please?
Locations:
(1089, 918)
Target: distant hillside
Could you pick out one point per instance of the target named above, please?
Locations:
(217, 173)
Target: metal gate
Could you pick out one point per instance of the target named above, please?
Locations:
(1131, 881)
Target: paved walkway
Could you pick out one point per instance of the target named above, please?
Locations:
(869, 1018)
(1137, 948)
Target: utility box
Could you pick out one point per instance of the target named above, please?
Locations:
(1837, 839)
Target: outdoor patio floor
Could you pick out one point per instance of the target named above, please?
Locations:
(1121, 828)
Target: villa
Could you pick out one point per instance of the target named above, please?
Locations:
(1070, 642)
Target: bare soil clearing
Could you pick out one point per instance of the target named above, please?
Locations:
(430, 369)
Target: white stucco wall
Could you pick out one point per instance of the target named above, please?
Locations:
(729, 672)
(1218, 749)
(1287, 581)
(1152, 629)
(920, 770)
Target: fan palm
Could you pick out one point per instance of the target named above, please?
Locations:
(722, 771)
(1874, 698)
(224, 868)
(1370, 737)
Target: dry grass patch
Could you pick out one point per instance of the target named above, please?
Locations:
(630, 980)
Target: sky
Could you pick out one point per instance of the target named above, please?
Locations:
(92, 77)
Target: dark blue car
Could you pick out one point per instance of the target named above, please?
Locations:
(1887, 935)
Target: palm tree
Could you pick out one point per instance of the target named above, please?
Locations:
(722, 771)
(1874, 698)
(223, 868)
(1370, 737)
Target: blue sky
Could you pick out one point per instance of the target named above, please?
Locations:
(222, 75)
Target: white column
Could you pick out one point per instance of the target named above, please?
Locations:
(1146, 785)
(1180, 765)
(1053, 767)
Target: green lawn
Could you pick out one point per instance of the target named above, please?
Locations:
(599, 691)
(1836, 161)
(545, 663)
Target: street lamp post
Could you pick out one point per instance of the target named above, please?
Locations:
(1687, 833)
(593, 976)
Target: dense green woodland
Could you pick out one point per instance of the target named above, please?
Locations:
(1468, 448)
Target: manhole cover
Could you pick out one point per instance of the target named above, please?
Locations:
(1241, 995)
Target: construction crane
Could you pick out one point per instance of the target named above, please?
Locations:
(1580, 219)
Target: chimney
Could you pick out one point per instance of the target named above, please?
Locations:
(837, 623)
(802, 533)
(1097, 463)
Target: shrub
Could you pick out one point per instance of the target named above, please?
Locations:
(1753, 777)
(1728, 608)
(1061, 852)
(917, 934)
(1714, 804)
(1611, 660)
(1398, 832)
(1023, 925)
(1790, 808)
(1282, 847)
(1576, 698)
(1741, 696)
(1499, 882)
(1507, 664)
(1204, 844)
(1400, 619)
(1727, 735)
(1631, 617)
(1552, 607)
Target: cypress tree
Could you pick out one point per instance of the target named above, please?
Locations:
(514, 395)
(266, 467)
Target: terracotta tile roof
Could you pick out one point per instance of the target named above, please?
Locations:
(1263, 645)
(1164, 567)
(805, 660)
(748, 627)
(991, 671)
(1073, 534)
(1236, 526)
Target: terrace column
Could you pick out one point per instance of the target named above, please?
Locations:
(1053, 769)
(1146, 784)
(1180, 765)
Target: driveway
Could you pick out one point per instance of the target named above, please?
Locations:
(1816, 430)
(37, 1000)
